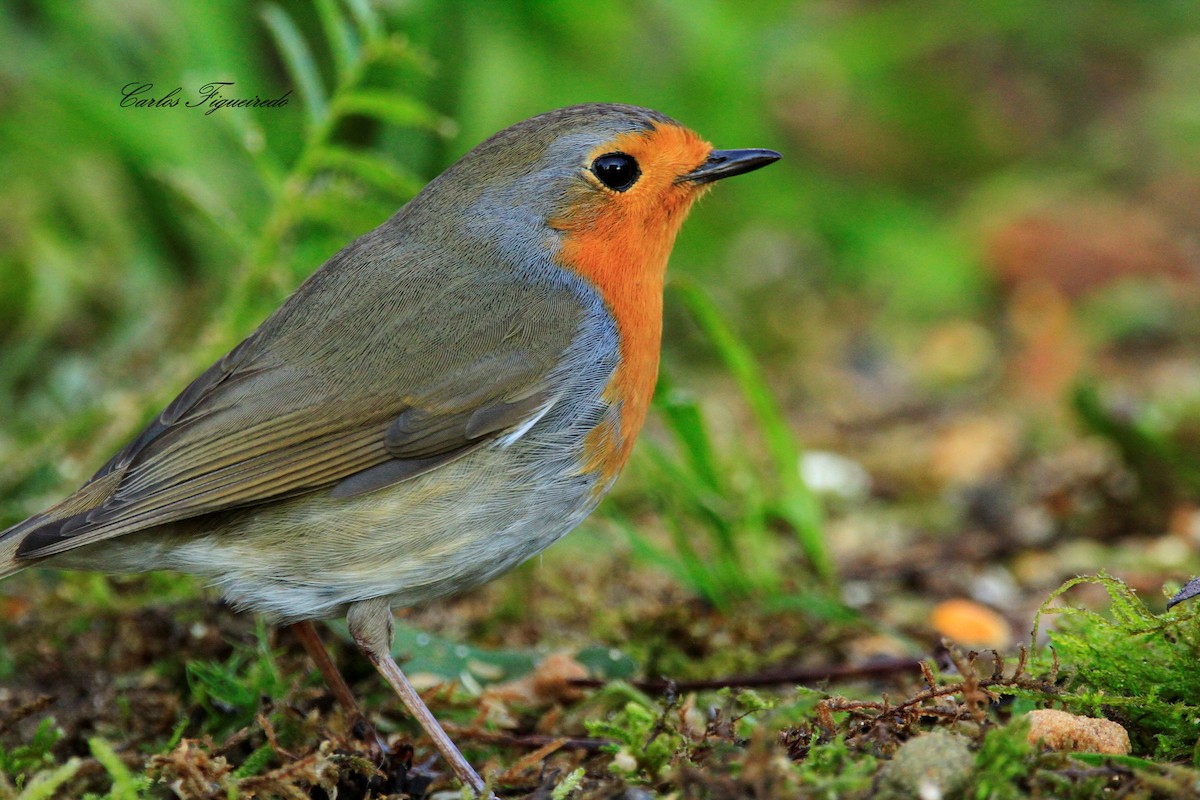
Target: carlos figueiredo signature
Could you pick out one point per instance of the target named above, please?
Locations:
(210, 97)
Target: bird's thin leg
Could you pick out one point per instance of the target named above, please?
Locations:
(370, 623)
(308, 636)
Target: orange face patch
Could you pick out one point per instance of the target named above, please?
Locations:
(619, 242)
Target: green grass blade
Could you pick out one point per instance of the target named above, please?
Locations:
(342, 42)
(299, 60)
(686, 423)
(796, 502)
(397, 109)
(46, 784)
(256, 761)
(370, 29)
(373, 170)
(683, 564)
(700, 503)
(125, 785)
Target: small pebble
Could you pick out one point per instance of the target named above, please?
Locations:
(636, 794)
(933, 766)
(833, 474)
(1071, 733)
(969, 623)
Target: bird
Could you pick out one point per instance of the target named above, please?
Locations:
(441, 400)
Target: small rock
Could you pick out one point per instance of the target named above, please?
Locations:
(969, 623)
(1061, 731)
(934, 766)
(971, 451)
(549, 683)
(955, 351)
(635, 794)
(832, 474)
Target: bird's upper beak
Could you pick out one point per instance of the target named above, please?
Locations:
(724, 163)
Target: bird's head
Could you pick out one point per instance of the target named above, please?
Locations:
(602, 187)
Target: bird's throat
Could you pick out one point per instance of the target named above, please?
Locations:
(627, 267)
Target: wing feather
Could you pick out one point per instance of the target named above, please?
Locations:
(431, 378)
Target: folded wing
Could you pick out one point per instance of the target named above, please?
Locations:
(339, 388)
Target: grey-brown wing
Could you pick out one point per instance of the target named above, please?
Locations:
(331, 392)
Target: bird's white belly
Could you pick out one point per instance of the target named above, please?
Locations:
(427, 537)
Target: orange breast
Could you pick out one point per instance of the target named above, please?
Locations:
(620, 243)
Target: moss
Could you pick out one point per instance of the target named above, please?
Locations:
(1003, 763)
(835, 770)
(1132, 666)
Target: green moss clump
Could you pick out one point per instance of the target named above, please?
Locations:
(835, 770)
(1131, 666)
(1003, 763)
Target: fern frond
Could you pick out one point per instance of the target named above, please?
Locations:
(299, 60)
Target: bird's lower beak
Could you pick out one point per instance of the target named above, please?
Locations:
(725, 163)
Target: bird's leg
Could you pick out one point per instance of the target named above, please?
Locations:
(308, 636)
(370, 623)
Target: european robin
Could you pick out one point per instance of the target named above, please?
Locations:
(441, 400)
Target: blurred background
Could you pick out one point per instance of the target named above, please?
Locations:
(943, 356)
(981, 244)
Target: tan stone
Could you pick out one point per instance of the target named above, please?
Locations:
(1065, 732)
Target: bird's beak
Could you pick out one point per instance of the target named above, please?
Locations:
(724, 163)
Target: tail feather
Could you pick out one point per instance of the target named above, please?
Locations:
(10, 540)
(88, 497)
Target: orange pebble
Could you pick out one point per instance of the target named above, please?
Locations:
(969, 623)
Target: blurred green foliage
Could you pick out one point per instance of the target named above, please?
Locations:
(129, 233)
(18, 762)
(232, 691)
(722, 507)
(1157, 438)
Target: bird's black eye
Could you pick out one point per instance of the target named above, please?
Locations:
(617, 171)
